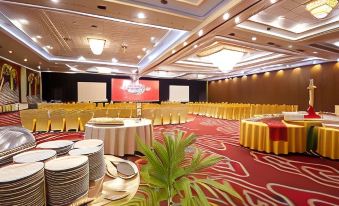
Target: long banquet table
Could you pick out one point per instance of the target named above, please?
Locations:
(255, 135)
(121, 139)
(328, 142)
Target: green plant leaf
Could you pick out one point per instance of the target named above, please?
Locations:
(225, 187)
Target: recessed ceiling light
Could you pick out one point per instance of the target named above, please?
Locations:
(55, 1)
(237, 19)
(290, 46)
(152, 39)
(23, 21)
(226, 16)
(25, 60)
(201, 32)
(281, 17)
(173, 51)
(39, 67)
(141, 15)
(254, 38)
(144, 49)
(273, 1)
(195, 46)
(185, 43)
(81, 58)
(114, 60)
(34, 39)
(38, 37)
(10, 51)
(336, 43)
(315, 52)
(139, 57)
(48, 47)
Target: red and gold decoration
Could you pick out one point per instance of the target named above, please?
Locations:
(33, 83)
(310, 110)
(9, 84)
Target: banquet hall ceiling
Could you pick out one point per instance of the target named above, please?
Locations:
(168, 40)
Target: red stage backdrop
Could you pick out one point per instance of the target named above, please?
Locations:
(142, 91)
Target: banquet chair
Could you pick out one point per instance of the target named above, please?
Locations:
(57, 118)
(42, 121)
(157, 117)
(166, 115)
(134, 113)
(113, 112)
(183, 116)
(175, 116)
(148, 114)
(100, 113)
(125, 113)
(27, 121)
(84, 117)
(72, 121)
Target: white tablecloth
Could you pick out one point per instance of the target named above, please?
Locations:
(121, 139)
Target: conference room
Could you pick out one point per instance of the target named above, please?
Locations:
(169, 102)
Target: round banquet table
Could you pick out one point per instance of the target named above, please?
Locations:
(121, 139)
(255, 135)
(328, 142)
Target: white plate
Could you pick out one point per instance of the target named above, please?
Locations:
(55, 144)
(88, 143)
(65, 163)
(19, 171)
(34, 156)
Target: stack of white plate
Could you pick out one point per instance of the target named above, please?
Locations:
(35, 156)
(96, 159)
(66, 179)
(22, 184)
(62, 147)
(89, 143)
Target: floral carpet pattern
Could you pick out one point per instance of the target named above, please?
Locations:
(261, 179)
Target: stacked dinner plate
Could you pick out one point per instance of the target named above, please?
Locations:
(22, 184)
(89, 143)
(66, 179)
(14, 140)
(96, 160)
(61, 147)
(35, 156)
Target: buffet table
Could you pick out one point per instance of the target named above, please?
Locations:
(328, 142)
(121, 139)
(256, 136)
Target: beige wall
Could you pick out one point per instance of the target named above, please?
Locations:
(282, 87)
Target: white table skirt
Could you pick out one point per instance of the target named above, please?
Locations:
(121, 139)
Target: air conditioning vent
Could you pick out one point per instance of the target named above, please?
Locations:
(101, 7)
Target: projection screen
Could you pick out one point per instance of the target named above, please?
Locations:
(179, 93)
(91, 91)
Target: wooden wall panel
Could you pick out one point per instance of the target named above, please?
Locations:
(281, 87)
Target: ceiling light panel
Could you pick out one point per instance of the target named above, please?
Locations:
(77, 29)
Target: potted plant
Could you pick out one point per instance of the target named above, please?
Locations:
(168, 174)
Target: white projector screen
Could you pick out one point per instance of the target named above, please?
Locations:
(91, 91)
(179, 93)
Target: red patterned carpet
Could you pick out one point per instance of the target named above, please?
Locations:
(262, 179)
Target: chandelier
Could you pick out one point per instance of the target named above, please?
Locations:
(321, 8)
(225, 59)
(96, 45)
